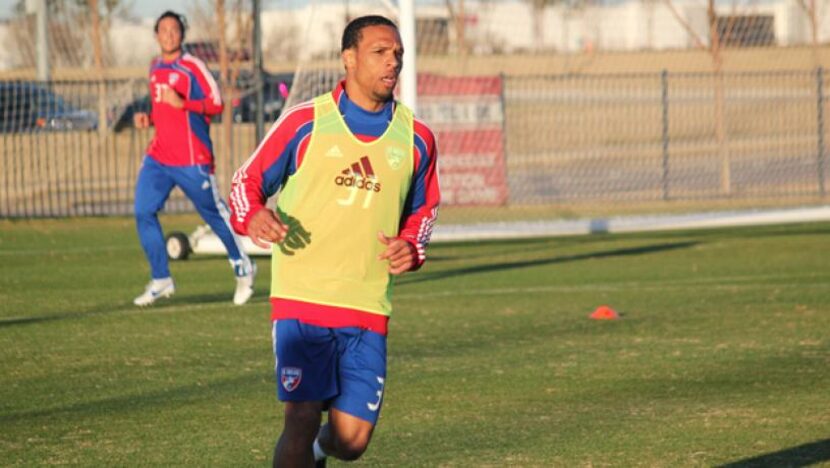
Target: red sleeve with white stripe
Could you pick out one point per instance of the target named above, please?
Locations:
(211, 104)
(424, 196)
(277, 157)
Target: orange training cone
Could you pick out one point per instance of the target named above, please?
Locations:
(604, 313)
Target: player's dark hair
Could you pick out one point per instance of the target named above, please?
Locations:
(351, 35)
(176, 16)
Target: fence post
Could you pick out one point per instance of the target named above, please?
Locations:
(664, 82)
(502, 99)
(820, 125)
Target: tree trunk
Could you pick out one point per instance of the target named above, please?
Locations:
(99, 69)
(460, 29)
(226, 86)
(538, 23)
(814, 32)
(720, 111)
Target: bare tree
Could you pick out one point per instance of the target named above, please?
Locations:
(99, 67)
(69, 43)
(810, 9)
(718, 36)
(459, 20)
(538, 8)
(220, 20)
(283, 44)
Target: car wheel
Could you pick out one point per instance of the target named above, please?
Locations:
(178, 246)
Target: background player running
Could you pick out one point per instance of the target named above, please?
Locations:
(183, 95)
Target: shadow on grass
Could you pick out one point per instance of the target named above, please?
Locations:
(801, 455)
(490, 267)
(471, 251)
(149, 400)
(178, 302)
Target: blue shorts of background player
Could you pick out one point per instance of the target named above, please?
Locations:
(344, 367)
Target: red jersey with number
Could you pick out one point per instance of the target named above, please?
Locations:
(182, 136)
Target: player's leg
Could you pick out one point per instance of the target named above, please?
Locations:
(344, 436)
(151, 191)
(355, 410)
(306, 371)
(200, 186)
(302, 420)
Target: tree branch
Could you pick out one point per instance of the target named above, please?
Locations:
(685, 24)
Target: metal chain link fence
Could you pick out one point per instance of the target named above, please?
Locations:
(666, 136)
(625, 138)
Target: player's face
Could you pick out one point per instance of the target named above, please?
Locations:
(374, 65)
(169, 36)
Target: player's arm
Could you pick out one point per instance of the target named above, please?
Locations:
(212, 102)
(262, 175)
(407, 251)
(143, 119)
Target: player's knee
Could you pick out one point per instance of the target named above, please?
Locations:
(352, 447)
(352, 451)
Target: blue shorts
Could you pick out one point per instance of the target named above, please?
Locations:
(343, 367)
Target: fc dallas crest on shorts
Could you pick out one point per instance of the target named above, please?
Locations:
(290, 378)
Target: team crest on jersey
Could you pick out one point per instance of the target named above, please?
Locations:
(290, 377)
(173, 79)
(394, 156)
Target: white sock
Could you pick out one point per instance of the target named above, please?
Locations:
(319, 454)
(161, 282)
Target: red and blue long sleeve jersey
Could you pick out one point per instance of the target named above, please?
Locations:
(182, 136)
(282, 150)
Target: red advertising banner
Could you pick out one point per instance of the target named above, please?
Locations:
(467, 116)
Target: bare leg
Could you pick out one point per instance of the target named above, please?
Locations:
(345, 436)
(302, 421)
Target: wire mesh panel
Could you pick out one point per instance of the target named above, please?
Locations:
(742, 134)
(504, 142)
(57, 158)
(536, 105)
(666, 136)
(57, 161)
(576, 137)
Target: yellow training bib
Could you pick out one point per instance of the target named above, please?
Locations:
(343, 193)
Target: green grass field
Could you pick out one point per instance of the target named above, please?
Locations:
(721, 355)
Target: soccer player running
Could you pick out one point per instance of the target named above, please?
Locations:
(359, 195)
(184, 96)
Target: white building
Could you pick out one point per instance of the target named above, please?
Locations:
(508, 26)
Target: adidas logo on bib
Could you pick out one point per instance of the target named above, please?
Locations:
(360, 174)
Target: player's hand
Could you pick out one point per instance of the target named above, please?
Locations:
(141, 120)
(399, 253)
(265, 227)
(170, 96)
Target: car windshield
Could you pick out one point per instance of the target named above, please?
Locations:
(49, 103)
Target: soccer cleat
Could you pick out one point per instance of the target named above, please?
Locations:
(155, 290)
(245, 286)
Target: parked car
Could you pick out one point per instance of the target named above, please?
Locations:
(121, 117)
(275, 90)
(31, 106)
